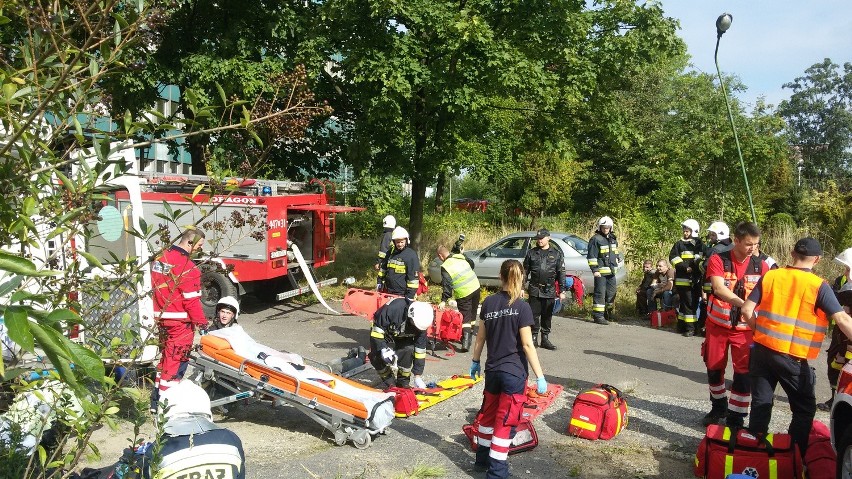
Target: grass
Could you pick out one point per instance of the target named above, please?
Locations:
(422, 471)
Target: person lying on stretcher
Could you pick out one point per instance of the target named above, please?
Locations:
(398, 341)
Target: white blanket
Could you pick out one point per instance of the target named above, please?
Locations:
(293, 365)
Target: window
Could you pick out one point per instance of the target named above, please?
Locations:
(514, 248)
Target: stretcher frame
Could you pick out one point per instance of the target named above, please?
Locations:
(344, 426)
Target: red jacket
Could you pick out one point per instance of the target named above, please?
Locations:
(177, 288)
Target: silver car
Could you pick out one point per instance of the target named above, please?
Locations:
(487, 261)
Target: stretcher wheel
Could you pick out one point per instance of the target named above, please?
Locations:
(362, 443)
(339, 440)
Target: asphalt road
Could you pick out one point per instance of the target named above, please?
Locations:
(660, 372)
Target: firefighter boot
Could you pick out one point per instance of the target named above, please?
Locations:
(545, 342)
(599, 319)
(735, 420)
(535, 339)
(467, 338)
(826, 406)
(718, 412)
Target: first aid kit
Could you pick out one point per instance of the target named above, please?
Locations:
(598, 413)
(523, 437)
(724, 452)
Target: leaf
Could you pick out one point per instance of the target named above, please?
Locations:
(117, 33)
(94, 262)
(17, 265)
(51, 343)
(19, 327)
(10, 285)
(197, 190)
(63, 314)
(86, 359)
(29, 206)
(65, 181)
(222, 94)
(93, 67)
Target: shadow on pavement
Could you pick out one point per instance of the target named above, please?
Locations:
(699, 377)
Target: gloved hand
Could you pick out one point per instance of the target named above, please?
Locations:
(453, 304)
(378, 286)
(541, 385)
(388, 355)
(474, 369)
(442, 305)
(419, 383)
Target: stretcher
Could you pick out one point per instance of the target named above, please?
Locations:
(442, 391)
(230, 359)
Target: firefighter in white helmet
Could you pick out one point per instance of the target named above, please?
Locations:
(604, 259)
(388, 223)
(685, 257)
(398, 341)
(398, 273)
(718, 241)
(227, 311)
(836, 356)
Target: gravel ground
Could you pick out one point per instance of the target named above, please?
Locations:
(660, 372)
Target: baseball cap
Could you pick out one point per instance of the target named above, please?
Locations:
(808, 247)
(542, 233)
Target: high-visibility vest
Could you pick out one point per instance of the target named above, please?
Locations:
(720, 312)
(787, 318)
(463, 279)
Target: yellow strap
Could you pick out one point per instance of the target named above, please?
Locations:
(726, 434)
(773, 469)
(729, 464)
(583, 424)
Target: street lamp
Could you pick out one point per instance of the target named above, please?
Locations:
(800, 165)
(723, 23)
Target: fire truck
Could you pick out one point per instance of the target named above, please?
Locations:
(263, 237)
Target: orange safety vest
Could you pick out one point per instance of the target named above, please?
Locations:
(787, 318)
(720, 312)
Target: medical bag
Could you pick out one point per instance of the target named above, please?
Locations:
(723, 452)
(661, 319)
(523, 436)
(405, 401)
(598, 413)
(820, 458)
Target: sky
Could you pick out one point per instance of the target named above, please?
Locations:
(769, 43)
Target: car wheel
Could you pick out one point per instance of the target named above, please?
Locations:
(844, 455)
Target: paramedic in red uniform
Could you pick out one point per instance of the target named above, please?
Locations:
(732, 275)
(506, 326)
(176, 282)
(789, 311)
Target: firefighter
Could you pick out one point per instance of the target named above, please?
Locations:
(505, 326)
(718, 240)
(733, 274)
(789, 311)
(544, 268)
(460, 283)
(685, 256)
(604, 259)
(836, 353)
(388, 223)
(192, 446)
(398, 341)
(227, 311)
(399, 271)
(176, 282)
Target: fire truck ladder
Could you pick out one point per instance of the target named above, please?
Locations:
(255, 187)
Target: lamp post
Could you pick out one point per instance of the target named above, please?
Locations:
(799, 166)
(723, 23)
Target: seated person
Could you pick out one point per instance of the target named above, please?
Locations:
(661, 286)
(227, 310)
(641, 291)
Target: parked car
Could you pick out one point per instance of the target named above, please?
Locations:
(841, 422)
(487, 261)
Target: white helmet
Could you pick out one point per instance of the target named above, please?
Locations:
(187, 409)
(399, 233)
(692, 225)
(229, 302)
(421, 314)
(389, 222)
(845, 258)
(721, 229)
(605, 221)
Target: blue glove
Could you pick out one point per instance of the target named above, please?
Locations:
(378, 286)
(541, 385)
(474, 369)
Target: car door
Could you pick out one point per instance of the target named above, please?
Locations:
(487, 263)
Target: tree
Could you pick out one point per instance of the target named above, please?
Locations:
(57, 140)
(421, 76)
(819, 122)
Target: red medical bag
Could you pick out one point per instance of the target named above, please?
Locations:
(405, 401)
(820, 458)
(524, 436)
(599, 413)
(723, 452)
(661, 319)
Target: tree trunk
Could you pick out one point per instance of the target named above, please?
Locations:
(196, 144)
(439, 192)
(415, 225)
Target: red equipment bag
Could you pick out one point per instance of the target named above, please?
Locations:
(723, 452)
(599, 413)
(661, 319)
(524, 436)
(405, 401)
(422, 283)
(450, 325)
(820, 458)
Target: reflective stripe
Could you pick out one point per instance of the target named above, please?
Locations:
(382, 255)
(583, 424)
(413, 284)
(794, 340)
(486, 430)
(593, 261)
(462, 278)
(773, 468)
(500, 456)
(605, 270)
(717, 308)
(501, 441)
(729, 465)
(605, 248)
(196, 294)
(377, 335)
(683, 282)
(171, 314)
(598, 307)
(793, 322)
(419, 355)
(676, 260)
(687, 255)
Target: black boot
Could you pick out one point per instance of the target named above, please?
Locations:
(545, 342)
(826, 406)
(465, 341)
(535, 339)
(718, 412)
(734, 420)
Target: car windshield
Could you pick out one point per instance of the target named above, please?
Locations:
(582, 246)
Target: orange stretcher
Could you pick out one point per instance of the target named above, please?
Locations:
(351, 411)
